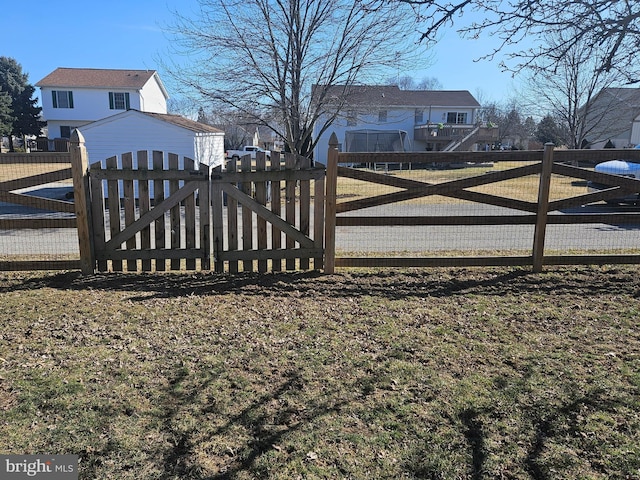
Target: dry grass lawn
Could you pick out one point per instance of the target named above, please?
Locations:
(438, 374)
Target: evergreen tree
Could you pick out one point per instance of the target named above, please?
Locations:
(548, 131)
(6, 117)
(23, 112)
(27, 113)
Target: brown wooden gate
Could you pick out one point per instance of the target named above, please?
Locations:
(156, 213)
(279, 194)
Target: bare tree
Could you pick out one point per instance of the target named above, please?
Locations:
(512, 127)
(407, 82)
(429, 83)
(570, 91)
(614, 24)
(276, 60)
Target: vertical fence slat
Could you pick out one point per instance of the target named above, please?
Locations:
(98, 214)
(190, 218)
(305, 207)
(290, 206)
(145, 206)
(205, 218)
(158, 196)
(318, 220)
(129, 205)
(330, 206)
(232, 221)
(217, 206)
(276, 207)
(113, 192)
(543, 207)
(261, 198)
(174, 214)
(247, 216)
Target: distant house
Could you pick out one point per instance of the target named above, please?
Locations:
(385, 118)
(73, 97)
(133, 130)
(613, 120)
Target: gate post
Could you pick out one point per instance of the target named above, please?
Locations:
(82, 201)
(543, 207)
(330, 210)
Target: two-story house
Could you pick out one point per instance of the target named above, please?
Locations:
(120, 111)
(72, 97)
(386, 119)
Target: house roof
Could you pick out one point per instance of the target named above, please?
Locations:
(392, 96)
(627, 95)
(99, 78)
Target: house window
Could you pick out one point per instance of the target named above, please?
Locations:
(457, 117)
(419, 116)
(382, 116)
(119, 101)
(62, 99)
(65, 131)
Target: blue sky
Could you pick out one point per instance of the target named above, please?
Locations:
(129, 35)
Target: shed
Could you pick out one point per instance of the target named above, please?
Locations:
(133, 130)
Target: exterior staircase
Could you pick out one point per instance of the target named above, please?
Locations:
(466, 142)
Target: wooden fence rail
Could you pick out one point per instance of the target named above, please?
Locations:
(161, 212)
(19, 186)
(547, 163)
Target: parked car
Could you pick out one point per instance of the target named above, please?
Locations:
(246, 150)
(625, 168)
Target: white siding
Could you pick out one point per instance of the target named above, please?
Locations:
(209, 148)
(91, 104)
(88, 105)
(53, 127)
(152, 98)
(133, 131)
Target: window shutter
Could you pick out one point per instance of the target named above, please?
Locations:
(54, 96)
(111, 105)
(70, 99)
(127, 105)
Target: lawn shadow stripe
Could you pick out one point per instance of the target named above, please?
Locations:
(392, 284)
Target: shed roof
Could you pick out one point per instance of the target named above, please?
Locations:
(183, 122)
(176, 120)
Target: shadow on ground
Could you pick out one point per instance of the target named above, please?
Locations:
(394, 284)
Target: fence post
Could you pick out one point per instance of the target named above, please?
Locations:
(82, 201)
(330, 210)
(543, 207)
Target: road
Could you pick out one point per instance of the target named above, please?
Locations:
(561, 238)
(486, 237)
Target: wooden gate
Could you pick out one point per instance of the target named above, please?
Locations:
(156, 213)
(279, 195)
